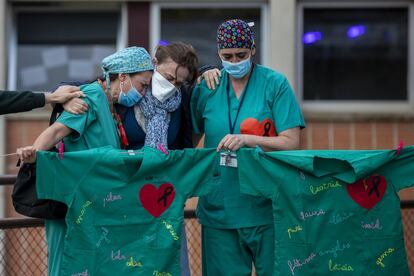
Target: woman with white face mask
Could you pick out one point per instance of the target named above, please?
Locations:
(174, 64)
(175, 71)
(162, 116)
(251, 106)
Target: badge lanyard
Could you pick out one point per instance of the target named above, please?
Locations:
(232, 125)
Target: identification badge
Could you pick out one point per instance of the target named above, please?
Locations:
(228, 159)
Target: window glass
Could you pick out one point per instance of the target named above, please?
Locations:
(355, 54)
(198, 27)
(56, 47)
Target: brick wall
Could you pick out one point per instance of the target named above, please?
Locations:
(373, 134)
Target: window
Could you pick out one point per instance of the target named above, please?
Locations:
(62, 46)
(355, 54)
(198, 26)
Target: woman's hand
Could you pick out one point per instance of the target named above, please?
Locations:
(27, 154)
(233, 142)
(76, 106)
(212, 78)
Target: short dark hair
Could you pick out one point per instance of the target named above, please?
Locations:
(181, 53)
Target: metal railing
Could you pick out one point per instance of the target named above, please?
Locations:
(23, 249)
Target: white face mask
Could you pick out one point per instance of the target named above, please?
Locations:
(162, 89)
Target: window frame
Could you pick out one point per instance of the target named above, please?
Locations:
(381, 108)
(155, 20)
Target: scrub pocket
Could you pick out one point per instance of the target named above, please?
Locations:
(214, 200)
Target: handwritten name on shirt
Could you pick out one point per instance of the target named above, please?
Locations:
(294, 230)
(84, 273)
(170, 229)
(325, 187)
(117, 256)
(339, 267)
(338, 218)
(372, 225)
(305, 215)
(103, 237)
(383, 255)
(158, 273)
(111, 198)
(132, 263)
(298, 263)
(82, 212)
(338, 247)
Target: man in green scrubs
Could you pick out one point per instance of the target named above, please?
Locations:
(252, 106)
(95, 128)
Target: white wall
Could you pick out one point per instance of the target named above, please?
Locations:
(282, 26)
(3, 67)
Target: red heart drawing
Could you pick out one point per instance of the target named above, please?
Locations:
(368, 192)
(254, 127)
(156, 201)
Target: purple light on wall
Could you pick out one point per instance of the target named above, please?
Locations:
(311, 37)
(163, 43)
(356, 31)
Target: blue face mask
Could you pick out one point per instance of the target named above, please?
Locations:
(237, 70)
(131, 98)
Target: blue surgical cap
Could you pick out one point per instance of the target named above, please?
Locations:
(128, 60)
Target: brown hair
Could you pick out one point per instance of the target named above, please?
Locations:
(182, 54)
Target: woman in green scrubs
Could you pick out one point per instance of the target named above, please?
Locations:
(251, 106)
(126, 74)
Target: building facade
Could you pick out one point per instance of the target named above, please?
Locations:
(350, 62)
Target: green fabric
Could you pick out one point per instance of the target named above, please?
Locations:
(96, 128)
(243, 246)
(321, 222)
(269, 96)
(110, 229)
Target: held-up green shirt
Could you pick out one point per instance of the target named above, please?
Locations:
(269, 107)
(334, 211)
(93, 129)
(125, 212)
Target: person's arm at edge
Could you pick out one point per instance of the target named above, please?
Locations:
(45, 141)
(196, 139)
(21, 101)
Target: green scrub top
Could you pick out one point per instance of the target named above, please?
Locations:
(96, 127)
(269, 107)
(334, 211)
(125, 212)
(93, 129)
